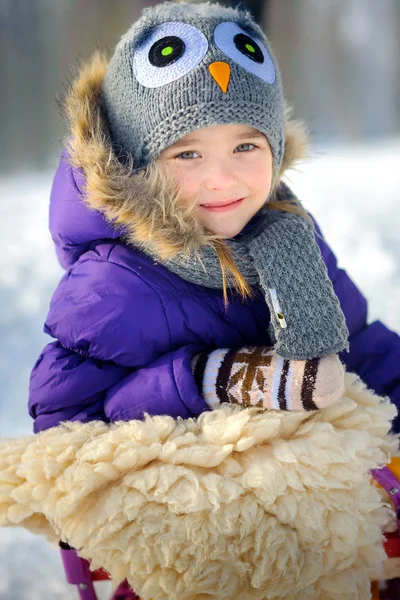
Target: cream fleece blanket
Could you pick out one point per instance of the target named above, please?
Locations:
(241, 503)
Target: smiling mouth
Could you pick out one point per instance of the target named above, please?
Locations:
(222, 205)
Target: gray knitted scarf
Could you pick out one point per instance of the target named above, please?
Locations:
(278, 253)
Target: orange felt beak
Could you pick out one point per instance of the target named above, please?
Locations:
(221, 72)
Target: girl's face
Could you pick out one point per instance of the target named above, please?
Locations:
(226, 170)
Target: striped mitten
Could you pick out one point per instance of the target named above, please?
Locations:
(258, 376)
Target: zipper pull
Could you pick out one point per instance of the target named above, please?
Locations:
(277, 308)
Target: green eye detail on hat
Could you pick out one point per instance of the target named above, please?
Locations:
(250, 48)
(167, 51)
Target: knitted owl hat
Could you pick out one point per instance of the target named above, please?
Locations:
(182, 67)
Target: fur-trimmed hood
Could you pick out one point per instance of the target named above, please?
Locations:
(140, 206)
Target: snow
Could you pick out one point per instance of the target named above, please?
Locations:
(354, 192)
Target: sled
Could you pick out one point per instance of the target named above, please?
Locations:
(78, 571)
(389, 587)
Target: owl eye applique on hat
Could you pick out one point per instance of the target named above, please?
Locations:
(169, 53)
(245, 50)
(174, 49)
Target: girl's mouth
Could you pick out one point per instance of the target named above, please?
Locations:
(222, 207)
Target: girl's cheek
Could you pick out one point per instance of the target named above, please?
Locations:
(261, 174)
(189, 183)
(180, 177)
(193, 178)
(252, 175)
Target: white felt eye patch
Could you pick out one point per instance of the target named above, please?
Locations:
(172, 51)
(249, 52)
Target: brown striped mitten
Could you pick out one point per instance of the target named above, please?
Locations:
(258, 376)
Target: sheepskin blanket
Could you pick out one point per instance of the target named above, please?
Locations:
(239, 503)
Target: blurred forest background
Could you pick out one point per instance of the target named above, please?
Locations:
(339, 62)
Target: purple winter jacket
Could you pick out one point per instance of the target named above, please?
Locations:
(126, 328)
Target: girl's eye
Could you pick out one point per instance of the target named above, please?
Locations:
(186, 155)
(245, 147)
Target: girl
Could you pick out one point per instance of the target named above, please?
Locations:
(193, 275)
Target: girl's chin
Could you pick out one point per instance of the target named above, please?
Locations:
(227, 235)
(224, 226)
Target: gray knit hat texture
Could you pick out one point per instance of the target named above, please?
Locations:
(182, 67)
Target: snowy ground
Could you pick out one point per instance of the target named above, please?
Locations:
(353, 192)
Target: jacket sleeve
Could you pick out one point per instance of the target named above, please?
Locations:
(164, 387)
(112, 358)
(374, 349)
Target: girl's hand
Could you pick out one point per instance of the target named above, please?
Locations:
(258, 376)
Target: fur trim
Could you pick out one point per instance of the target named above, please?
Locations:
(296, 142)
(145, 205)
(240, 503)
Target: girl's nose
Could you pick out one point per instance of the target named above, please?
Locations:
(220, 176)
